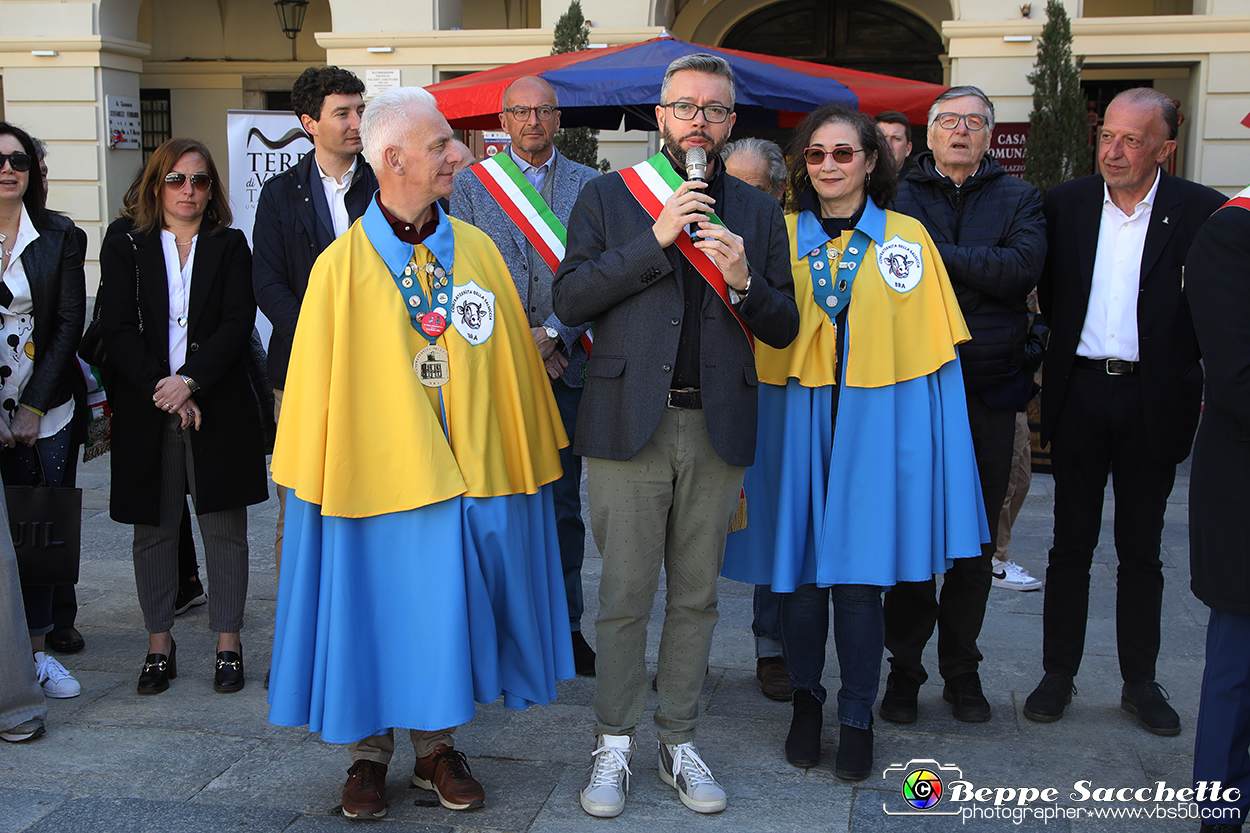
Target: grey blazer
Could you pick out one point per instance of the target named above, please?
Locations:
(615, 274)
(471, 202)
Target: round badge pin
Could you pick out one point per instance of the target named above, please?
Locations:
(433, 324)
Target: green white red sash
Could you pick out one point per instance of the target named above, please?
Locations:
(652, 182)
(527, 209)
(1241, 200)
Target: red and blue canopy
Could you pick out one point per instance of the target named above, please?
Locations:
(597, 87)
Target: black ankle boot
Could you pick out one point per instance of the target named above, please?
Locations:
(854, 760)
(803, 742)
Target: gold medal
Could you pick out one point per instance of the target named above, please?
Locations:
(432, 366)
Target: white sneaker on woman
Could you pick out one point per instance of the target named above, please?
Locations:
(55, 680)
(1011, 576)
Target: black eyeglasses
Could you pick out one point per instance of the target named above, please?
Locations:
(177, 179)
(523, 113)
(973, 121)
(714, 113)
(842, 154)
(18, 161)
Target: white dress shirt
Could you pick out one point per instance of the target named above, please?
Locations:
(1110, 330)
(336, 196)
(535, 176)
(179, 281)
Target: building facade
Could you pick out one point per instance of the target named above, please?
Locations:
(186, 62)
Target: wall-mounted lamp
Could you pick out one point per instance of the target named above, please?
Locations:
(1017, 38)
(1026, 9)
(44, 53)
(291, 16)
(380, 50)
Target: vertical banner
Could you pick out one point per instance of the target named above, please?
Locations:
(262, 144)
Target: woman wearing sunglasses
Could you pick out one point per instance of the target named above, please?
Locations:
(42, 303)
(864, 474)
(176, 313)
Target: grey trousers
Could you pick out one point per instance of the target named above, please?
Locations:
(21, 698)
(380, 748)
(156, 547)
(670, 504)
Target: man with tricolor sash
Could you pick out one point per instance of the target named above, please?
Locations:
(668, 420)
(522, 199)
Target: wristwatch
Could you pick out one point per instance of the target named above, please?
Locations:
(191, 384)
(552, 333)
(736, 296)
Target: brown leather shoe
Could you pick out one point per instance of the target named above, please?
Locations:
(364, 794)
(774, 678)
(447, 773)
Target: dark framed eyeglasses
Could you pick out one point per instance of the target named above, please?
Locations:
(18, 161)
(713, 113)
(523, 113)
(842, 154)
(177, 179)
(949, 121)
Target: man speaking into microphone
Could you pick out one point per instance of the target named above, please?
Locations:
(668, 417)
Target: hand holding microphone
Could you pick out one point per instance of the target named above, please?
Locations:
(688, 205)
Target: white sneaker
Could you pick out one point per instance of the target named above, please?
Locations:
(56, 681)
(683, 770)
(1011, 576)
(608, 781)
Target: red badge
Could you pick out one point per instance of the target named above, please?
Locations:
(433, 324)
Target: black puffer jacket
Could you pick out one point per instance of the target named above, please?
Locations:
(992, 237)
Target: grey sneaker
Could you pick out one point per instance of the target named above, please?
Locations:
(29, 730)
(608, 780)
(683, 770)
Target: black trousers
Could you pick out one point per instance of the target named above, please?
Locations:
(913, 608)
(1102, 429)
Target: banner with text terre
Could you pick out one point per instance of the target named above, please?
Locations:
(262, 144)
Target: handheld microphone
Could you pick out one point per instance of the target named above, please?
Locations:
(696, 171)
(696, 164)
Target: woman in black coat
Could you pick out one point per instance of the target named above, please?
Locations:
(42, 302)
(176, 314)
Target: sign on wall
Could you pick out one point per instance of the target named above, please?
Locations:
(1008, 146)
(262, 144)
(380, 80)
(125, 123)
(495, 141)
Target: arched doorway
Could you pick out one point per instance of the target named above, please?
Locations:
(859, 34)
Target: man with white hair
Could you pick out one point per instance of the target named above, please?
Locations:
(418, 443)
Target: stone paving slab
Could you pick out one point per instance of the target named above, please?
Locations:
(111, 815)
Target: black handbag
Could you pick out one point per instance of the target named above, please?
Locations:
(45, 523)
(91, 347)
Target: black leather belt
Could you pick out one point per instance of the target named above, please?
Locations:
(1111, 367)
(691, 399)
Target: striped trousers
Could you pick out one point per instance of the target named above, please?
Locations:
(156, 547)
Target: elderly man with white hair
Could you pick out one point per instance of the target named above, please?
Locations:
(418, 442)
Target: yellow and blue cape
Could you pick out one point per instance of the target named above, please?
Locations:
(890, 492)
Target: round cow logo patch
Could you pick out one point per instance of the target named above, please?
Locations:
(473, 312)
(901, 264)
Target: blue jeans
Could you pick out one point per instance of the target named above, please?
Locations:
(767, 622)
(858, 635)
(567, 495)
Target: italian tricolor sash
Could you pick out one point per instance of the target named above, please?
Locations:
(652, 182)
(527, 209)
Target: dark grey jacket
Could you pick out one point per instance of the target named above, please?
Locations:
(54, 267)
(615, 274)
(992, 238)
